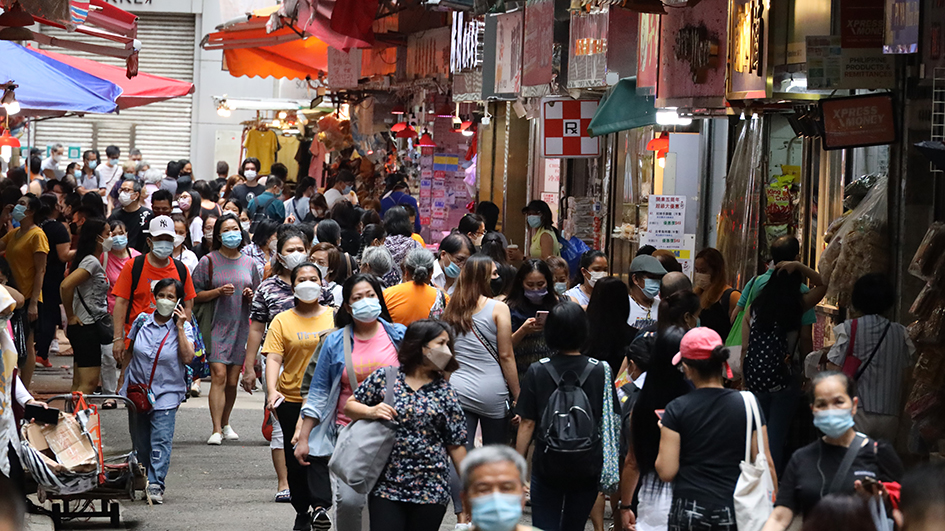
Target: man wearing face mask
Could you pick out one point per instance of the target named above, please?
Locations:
(645, 275)
(111, 170)
(133, 215)
(243, 193)
(132, 290)
(268, 204)
(344, 185)
(50, 166)
(494, 488)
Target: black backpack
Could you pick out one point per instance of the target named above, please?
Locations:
(260, 213)
(568, 432)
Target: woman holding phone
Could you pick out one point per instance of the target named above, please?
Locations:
(530, 299)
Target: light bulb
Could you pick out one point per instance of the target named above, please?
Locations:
(661, 161)
(283, 115)
(12, 108)
(224, 112)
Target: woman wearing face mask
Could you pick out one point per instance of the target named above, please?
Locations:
(114, 260)
(329, 261)
(84, 299)
(451, 256)
(607, 313)
(398, 241)
(291, 342)
(297, 207)
(560, 272)
(544, 236)
(473, 226)
(413, 490)
(414, 298)
(531, 293)
(318, 208)
(680, 309)
(593, 268)
(206, 242)
(228, 278)
(813, 470)
(60, 254)
(263, 245)
(189, 204)
(26, 248)
(717, 296)
(162, 344)
(182, 250)
(365, 325)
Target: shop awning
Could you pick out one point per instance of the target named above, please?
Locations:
(48, 87)
(622, 109)
(139, 90)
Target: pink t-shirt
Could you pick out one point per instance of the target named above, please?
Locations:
(112, 270)
(367, 356)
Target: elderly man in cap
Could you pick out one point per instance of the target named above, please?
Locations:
(646, 273)
(493, 480)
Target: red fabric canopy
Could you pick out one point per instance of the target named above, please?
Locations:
(137, 91)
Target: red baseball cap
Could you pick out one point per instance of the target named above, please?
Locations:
(698, 344)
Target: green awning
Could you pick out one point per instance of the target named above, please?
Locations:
(622, 109)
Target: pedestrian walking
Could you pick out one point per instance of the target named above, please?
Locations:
(291, 342)
(452, 254)
(328, 258)
(494, 488)
(297, 208)
(398, 241)
(372, 341)
(377, 261)
(228, 279)
(413, 490)
(702, 439)
(133, 214)
(593, 268)
(474, 227)
(681, 309)
(840, 513)
(542, 233)
(572, 386)
(182, 245)
(113, 261)
(261, 246)
(530, 299)
(267, 205)
(161, 346)
(646, 273)
(607, 312)
(84, 300)
(922, 500)
(717, 297)
(57, 236)
(560, 272)
(823, 467)
(348, 219)
(251, 188)
(414, 298)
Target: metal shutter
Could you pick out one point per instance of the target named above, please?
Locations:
(160, 130)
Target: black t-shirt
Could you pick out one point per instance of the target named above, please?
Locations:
(243, 194)
(56, 233)
(136, 222)
(538, 385)
(711, 427)
(812, 468)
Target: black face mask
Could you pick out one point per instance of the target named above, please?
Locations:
(496, 284)
(74, 229)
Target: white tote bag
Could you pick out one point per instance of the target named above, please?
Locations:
(755, 488)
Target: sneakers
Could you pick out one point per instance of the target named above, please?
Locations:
(320, 520)
(155, 494)
(283, 496)
(195, 389)
(216, 439)
(303, 522)
(229, 434)
(54, 346)
(43, 362)
(462, 527)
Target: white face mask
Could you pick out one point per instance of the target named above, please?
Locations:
(293, 260)
(107, 244)
(595, 276)
(245, 225)
(322, 272)
(250, 175)
(308, 291)
(477, 241)
(124, 198)
(178, 240)
(701, 280)
(165, 307)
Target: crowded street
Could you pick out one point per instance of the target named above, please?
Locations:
(472, 265)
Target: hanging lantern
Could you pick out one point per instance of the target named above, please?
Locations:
(398, 127)
(7, 144)
(426, 140)
(407, 132)
(398, 109)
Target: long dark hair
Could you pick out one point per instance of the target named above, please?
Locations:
(397, 222)
(517, 299)
(664, 383)
(418, 334)
(217, 241)
(88, 239)
(492, 245)
(343, 316)
(607, 314)
(369, 234)
(473, 282)
(587, 259)
(673, 309)
(839, 512)
(780, 303)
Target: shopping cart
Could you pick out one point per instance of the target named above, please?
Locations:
(117, 476)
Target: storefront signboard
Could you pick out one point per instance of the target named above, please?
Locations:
(564, 126)
(831, 65)
(428, 53)
(538, 49)
(648, 55)
(902, 26)
(587, 59)
(508, 52)
(858, 121)
(466, 42)
(748, 50)
(666, 216)
(344, 68)
(692, 57)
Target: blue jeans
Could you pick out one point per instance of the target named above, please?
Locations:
(153, 436)
(778, 409)
(559, 510)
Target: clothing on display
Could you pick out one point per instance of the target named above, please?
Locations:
(261, 144)
(288, 149)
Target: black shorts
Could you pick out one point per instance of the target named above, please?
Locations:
(86, 350)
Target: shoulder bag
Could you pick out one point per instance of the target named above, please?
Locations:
(140, 394)
(203, 311)
(364, 446)
(610, 422)
(755, 488)
(855, 367)
(494, 352)
(103, 325)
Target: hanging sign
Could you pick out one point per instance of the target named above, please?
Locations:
(648, 54)
(344, 68)
(748, 50)
(564, 126)
(902, 26)
(428, 53)
(539, 42)
(831, 65)
(466, 41)
(508, 52)
(587, 58)
(858, 121)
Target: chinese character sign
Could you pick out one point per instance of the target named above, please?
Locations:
(667, 215)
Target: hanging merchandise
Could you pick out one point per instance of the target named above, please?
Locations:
(262, 143)
(780, 197)
(335, 133)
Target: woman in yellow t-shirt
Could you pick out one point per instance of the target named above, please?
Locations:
(544, 240)
(290, 344)
(26, 249)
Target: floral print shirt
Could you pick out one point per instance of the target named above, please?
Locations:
(399, 246)
(428, 421)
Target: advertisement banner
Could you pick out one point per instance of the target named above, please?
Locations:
(344, 68)
(508, 52)
(428, 53)
(831, 65)
(901, 32)
(648, 56)
(858, 121)
(587, 56)
(748, 50)
(539, 42)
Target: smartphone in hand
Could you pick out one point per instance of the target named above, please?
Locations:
(41, 414)
(541, 317)
(659, 413)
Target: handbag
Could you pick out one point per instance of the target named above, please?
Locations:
(610, 422)
(103, 325)
(734, 340)
(755, 488)
(364, 446)
(853, 366)
(140, 394)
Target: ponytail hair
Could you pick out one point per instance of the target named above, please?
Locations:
(712, 367)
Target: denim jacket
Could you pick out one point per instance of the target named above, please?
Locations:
(321, 386)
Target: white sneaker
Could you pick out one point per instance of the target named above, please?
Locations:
(229, 434)
(462, 527)
(54, 347)
(216, 439)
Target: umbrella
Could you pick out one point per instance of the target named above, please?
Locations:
(46, 86)
(139, 90)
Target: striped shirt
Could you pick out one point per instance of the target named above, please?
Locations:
(880, 385)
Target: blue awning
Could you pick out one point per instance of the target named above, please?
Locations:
(47, 86)
(622, 109)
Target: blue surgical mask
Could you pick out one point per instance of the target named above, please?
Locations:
(78, 174)
(452, 270)
(92, 164)
(366, 310)
(533, 221)
(651, 288)
(119, 242)
(496, 511)
(19, 212)
(113, 162)
(561, 287)
(347, 189)
(536, 295)
(162, 249)
(231, 239)
(833, 422)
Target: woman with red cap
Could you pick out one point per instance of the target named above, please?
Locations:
(702, 439)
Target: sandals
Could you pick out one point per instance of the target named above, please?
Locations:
(283, 496)
(109, 404)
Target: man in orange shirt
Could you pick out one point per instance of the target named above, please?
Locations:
(415, 298)
(133, 289)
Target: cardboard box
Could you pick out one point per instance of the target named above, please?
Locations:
(66, 441)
